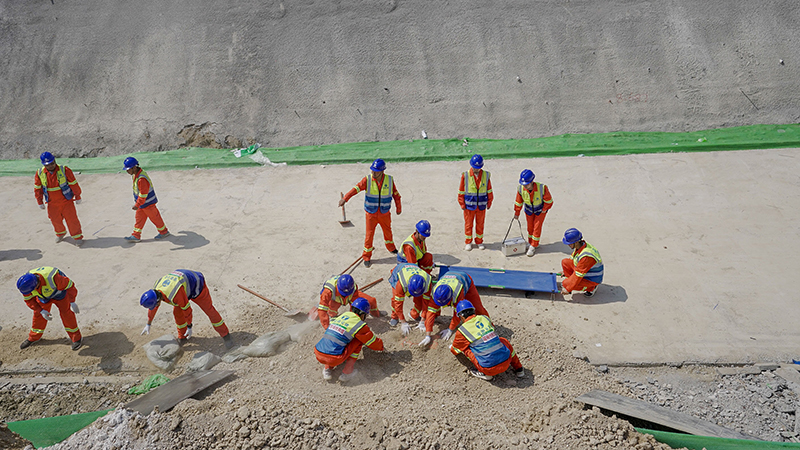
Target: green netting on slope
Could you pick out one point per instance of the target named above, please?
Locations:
(52, 430)
(679, 440)
(620, 143)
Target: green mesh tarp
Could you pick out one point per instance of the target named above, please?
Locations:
(150, 383)
(692, 442)
(52, 430)
(619, 143)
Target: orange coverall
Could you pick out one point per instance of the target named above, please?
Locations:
(398, 298)
(68, 318)
(573, 282)
(182, 311)
(478, 216)
(351, 351)
(327, 303)
(148, 212)
(435, 310)
(461, 345)
(426, 262)
(535, 222)
(373, 220)
(59, 209)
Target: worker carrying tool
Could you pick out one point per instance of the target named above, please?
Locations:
(56, 185)
(379, 190)
(343, 340)
(453, 287)
(176, 289)
(341, 290)
(475, 197)
(537, 201)
(478, 341)
(408, 280)
(145, 200)
(583, 271)
(415, 251)
(42, 288)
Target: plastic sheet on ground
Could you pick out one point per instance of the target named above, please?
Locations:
(150, 383)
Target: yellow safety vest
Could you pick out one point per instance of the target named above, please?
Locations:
(378, 198)
(63, 185)
(169, 285)
(48, 290)
(476, 196)
(532, 205)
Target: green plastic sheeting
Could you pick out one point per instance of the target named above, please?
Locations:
(692, 442)
(619, 143)
(150, 383)
(52, 430)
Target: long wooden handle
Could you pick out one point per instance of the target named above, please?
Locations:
(351, 265)
(371, 284)
(344, 216)
(264, 298)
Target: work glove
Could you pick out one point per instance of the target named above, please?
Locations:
(516, 217)
(446, 334)
(405, 328)
(78, 201)
(425, 341)
(146, 330)
(188, 332)
(74, 307)
(421, 324)
(41, 206)
(398, 211)
(46, 314)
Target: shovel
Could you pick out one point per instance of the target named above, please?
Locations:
(344, 222)
(288, 313)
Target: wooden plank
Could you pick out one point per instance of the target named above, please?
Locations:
(659, 415)
(166, 396)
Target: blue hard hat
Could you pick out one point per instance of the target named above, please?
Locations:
(442, 295)
(378, 165)
(47, 158)
(149, 299)
(130, 162)
(464, 308)
(476, 162)
(424, 228)
(572, 236)
(346, 285)
(416, 285)
(526, 177)
(361, 305)
(27, 283)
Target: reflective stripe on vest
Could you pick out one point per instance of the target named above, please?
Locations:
(63, 185)
(151, 194)
(378, 197)
(48, 290)
(195, 282)
(169, 286)
(418, 251)
(339, 333)
(484, 342)
(595, 274)
(532, 205)
(476, 196)
(404, 272)
(331, 286)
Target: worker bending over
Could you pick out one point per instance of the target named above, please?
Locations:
(144, 197)
(343, 340)
(584, 269)
(453, 287)
(42, 288)
(337, 291)
(415, 251)
(537, 201)
(475, 197)
(408, 280)
(56, 185)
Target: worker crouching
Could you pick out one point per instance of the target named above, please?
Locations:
(583, 270)
(415, 251)
(343, 339)
(408, 280)
(450, 290)
(341, 290)
(42, 288)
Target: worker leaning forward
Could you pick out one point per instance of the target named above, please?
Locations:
(379, 190)
(145, 200)
(475, 197)
(477, 340)
(408, 280)
(42, 288)
(451, 288)
(537, 201)
(341, 290)
(56, 185)
(343, 340)
(584, 269)
(414, 249)
(176, 289)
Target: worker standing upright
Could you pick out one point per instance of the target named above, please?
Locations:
(414, 250)
(408, 280)
(451, 288)
(584, 269)
(343, 340)
(475, 197)
(341, 290)
(145, 200)
(379, 190)
(537, 201)
(56, 185)
(42, 288)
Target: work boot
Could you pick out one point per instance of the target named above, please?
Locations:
(520, 372)
(132, 238)
(60, 238)
(367, 263)
(481, 247)
(77, 344)
(162, 236)
(394, 252)
(25, 344)
(182, 341)
(79, 242)
(468, 247)
(393, 322)
(480, 375)
(531, 251)
(588, 293)
(228, 340)
(345, 377)
(327, 374)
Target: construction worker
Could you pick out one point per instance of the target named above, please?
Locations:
(379, 190)
(408, 280)
(537, 200)
(176, 289)
(343, 340)
(56, 185)
(42, 288)
(584, 269)
(145, 200)
(337, 291)
(414, 249)
(477, 339)
(475, 197)
(451, 288)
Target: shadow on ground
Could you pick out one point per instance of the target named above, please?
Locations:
(29, 254)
